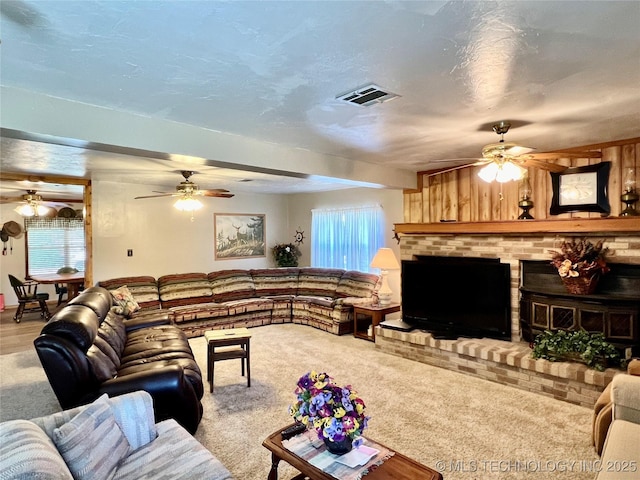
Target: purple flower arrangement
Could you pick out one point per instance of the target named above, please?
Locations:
(335, 412)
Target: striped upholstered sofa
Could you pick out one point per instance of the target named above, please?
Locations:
(196, 302)
(110, 438)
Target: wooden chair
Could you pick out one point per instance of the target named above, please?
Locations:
(29, 300)
(61, 290)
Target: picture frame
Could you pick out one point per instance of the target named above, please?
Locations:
(581, 189)
(239, 235)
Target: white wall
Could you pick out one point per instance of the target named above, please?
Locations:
(13, 262)
(165, 240)
(300, 206)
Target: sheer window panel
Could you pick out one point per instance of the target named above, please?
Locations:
(346, 238)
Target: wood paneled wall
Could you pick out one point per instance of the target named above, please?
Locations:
(462, 196)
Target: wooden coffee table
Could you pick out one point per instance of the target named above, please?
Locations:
(398, 467)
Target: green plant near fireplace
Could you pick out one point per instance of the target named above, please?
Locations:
(578, 346)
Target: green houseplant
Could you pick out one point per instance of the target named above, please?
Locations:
(579, 345)
(286, 254)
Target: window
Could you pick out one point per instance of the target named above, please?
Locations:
(53, 243)
(346, 238)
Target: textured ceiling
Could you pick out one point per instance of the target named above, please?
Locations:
(566, 73)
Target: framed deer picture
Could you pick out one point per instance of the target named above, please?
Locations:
(238, 235)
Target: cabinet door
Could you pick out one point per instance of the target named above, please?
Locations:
(621, 324)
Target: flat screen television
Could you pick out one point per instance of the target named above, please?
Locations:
(455, 297)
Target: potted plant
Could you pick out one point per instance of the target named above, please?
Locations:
(336, 413)
(580, 264)
(286, 254)
(580, 346)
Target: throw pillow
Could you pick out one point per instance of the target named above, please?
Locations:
(92, 444)
(124, 299)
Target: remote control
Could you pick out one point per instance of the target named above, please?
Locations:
(292, 431)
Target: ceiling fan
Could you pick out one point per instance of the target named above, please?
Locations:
(187, 191)
(32, 204)
(505, 161)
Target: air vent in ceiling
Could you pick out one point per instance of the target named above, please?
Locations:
(368, 95)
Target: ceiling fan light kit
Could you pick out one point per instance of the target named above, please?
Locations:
(31, 210)
(31, 206)
(501, 171)
(188, 204)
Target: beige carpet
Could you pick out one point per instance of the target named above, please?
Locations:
(467, 427)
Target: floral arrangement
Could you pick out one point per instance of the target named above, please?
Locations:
(286, 254)
(580, 258)
(335, 412)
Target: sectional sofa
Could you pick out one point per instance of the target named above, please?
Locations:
(196, 302)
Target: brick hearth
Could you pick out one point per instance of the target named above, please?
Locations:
(508, 363)
(505, 362)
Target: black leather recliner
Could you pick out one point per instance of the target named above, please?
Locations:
(87, 350)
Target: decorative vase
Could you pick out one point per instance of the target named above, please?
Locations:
(339, 448)
(581, 285)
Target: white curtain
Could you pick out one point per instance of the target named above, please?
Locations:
(346, 238)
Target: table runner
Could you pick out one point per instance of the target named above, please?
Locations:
(309, 447)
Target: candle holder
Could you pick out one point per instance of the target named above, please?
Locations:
(629, 196)
(629, 199)
(525, 202)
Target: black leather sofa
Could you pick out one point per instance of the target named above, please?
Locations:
(87, 350)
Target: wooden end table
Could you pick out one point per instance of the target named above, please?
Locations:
(370, 315)
(232, 343)
(397, 467)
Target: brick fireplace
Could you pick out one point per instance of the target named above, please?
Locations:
(511, 249)
(508, 363)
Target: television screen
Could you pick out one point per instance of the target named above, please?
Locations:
(457, 297)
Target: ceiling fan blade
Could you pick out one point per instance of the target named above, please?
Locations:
(155, 196)
(56, 203)
(518, 150)
(51, 202)
(556, 155)
(210, 193)
(166, 193)
(215, 190)
(459, 167)
(456, 160)
(541, 164)
(10, 199)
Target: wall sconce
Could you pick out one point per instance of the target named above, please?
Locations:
(629, 196)
(525, 202)
(385, 260)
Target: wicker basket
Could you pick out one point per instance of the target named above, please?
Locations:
(581, 285)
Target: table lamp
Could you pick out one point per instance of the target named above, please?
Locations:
(385, 260)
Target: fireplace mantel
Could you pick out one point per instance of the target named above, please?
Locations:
(619, 225)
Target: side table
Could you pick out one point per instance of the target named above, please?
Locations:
(231, 343)
(365, 316)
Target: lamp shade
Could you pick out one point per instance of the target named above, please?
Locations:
(384, 259)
